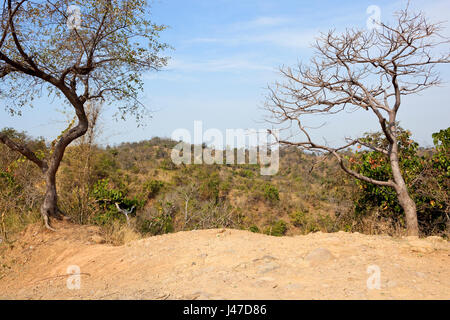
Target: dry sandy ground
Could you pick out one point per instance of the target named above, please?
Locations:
(223, 264)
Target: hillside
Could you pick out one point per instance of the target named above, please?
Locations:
(223, 264)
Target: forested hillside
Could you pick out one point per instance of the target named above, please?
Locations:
(309, 193)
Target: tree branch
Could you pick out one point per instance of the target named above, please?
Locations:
(25, 151)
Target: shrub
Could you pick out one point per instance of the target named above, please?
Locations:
(246, 173)
(309, 223)
(153, 187)
(426, 177)
(107, 198)
(209, 189)
(167, 165)
(271, 193)
(277, 228)
(299, 219)
(157, 221)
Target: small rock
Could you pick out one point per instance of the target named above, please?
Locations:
(265, 258)
(268, 267)
(319, 255)
(435, 239)
(421, 246)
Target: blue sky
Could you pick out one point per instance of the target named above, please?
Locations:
(227, 52)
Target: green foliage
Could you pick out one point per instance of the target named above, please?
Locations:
(209, 189)
(107, 197)
(106, 165)
(119, 36)
(159, 221)
(153, 187)
(19, 179)
(277, 228)
(313, 223)
(299, 219)
(209, 196)
(167, 164)
(376, 165)
(8, 178)
(426, 177)
(246, 173)
(441, 159)
(271, 193)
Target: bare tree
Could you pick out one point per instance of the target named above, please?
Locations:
(93, 49)
(188, 192)
(371, 70)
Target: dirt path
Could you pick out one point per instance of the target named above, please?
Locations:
(224, 264)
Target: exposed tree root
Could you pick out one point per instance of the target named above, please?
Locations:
(47, 223)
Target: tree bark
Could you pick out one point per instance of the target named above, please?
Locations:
(49, 207)
(405, 200)
(408, 205)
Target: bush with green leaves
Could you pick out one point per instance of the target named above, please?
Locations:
(209, 189)
(441, 159)
(246, 173)
(308, 223)
(153, 187)
(107, 197)
(376, 165)
(277, 228)
(167, 164)
(426, 177)
(271, 193)
(158, 220)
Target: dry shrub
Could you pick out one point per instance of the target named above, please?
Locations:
(117, 233)
(372, 222)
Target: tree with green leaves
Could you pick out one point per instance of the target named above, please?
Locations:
(77, 52)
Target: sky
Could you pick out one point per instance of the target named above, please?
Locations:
(226, 53)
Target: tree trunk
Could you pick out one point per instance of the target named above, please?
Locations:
(410, 209)
(408, 205)
(49, 207)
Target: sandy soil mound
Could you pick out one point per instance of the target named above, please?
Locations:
(224, 264)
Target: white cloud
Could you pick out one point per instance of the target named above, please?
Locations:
(289, 38)
(261, 22)
(286, 38)
(217, 65)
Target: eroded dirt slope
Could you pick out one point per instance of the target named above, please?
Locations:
(223, 264)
